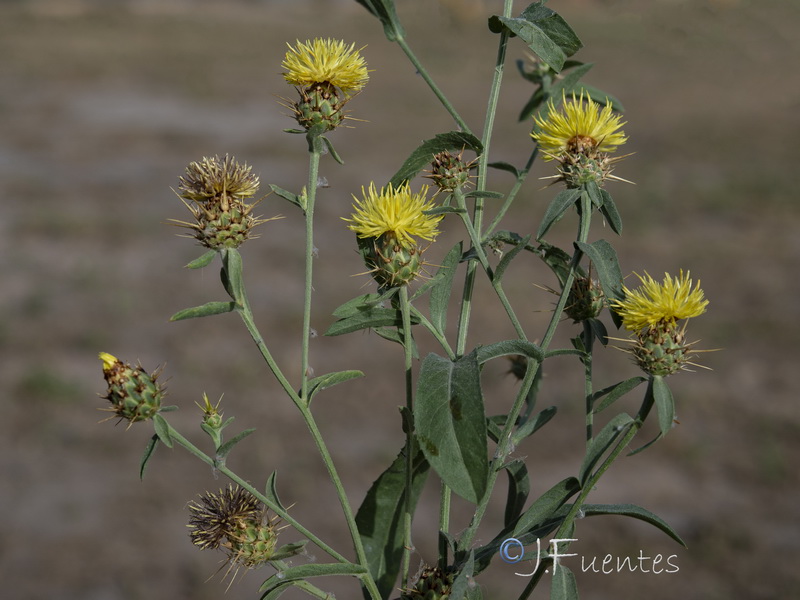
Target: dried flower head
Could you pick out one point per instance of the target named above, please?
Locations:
(326, 61)
(215, 192)
(580, 127)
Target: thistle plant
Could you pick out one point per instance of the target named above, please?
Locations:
(450, 441)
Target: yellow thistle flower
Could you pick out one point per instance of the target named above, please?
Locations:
(394, 210)
(579, 127)
(660, 303)
(325, 61)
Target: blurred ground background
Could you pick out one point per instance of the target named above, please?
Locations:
(102, 104)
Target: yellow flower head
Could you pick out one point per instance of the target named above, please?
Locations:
(394, 210)
(660, 303)
(325, 61)
(579, 127)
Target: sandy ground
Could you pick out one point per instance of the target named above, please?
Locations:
(102, 104)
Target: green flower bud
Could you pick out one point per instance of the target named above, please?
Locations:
(134, 394)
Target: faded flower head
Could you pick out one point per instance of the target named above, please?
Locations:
(653, 312)
(215, 192)
(135, 395)
(325, 61)
(434, 583)
(326, 73)
(450, 171)
(235, 521)
(386, 223)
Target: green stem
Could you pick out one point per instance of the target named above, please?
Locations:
(432, 84)
(444, 524)
(588, 343)
(512, 194)
(311, 193)
(423, 320)
(408, 340)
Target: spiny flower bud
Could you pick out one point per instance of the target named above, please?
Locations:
(391, 263)
(585, 300)
(662, 350)
(235, 521)
(214, 190)
(434, 584)
(212, 417)
(134, 394)
(449, 171)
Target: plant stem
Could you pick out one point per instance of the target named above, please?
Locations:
(311, 194)
(512, 194)
(588, 343)
(408, 340)
(432, 84)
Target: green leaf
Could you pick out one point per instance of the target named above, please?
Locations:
(609, 210)
(289, 550)
(371, 317)
(271, 490)
(380, 518)
(546, 506)
(605, 262)
(451, 424)
(460, 586)
(508, 347)
(614, 392)
(231, 274)
(569, 82)
(385, 11)
(506, 260)
(558, 261)
(664, 404)
(533, 425)
(332, 150)
(519, 486)
(299, 201)
(544, 31)
(442, 287)
(394, 335)
(485, 194)
(423, 155)
(202, 261)
(211, 308)
(632, 510)
(564, 586)
(225, 449)
(325, 381)
(614, 429)
(361, 303)
(556, 209)
(162, 430)
(504, 166)
(148, 454)
(593, 191)
(310, 570)
(443, 210)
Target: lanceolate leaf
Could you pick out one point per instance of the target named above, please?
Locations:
(440, 293)
(564, 585)
(632, 510)
(454, 141)
(614, 392)
(162, 430)
(605, 262)
(558, 206)
(609, 210)
(148, 454)
(310, 570)
(380, 519)
(202, 261)
(450, 423)
(506, 260)
(546, 506)
(372, 317)
(507, 348)
(385, 11)
(614, 429)
(211, 308)
(225, 449)
(325, 381)
(664, 404)
(519, 486)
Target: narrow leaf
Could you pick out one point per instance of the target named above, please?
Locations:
(533, 425)
(461, 584)
(372, 317)
(148, 454)
(506, 260)
(310, 570)
(545, 506)
(504, 166)
(440, 292)
(632, 510)
(614, 392)
(299, 201)
(564, 586)
(556, 209)
(380, 518)
(423, 155)
(232, 274)
(360, 303)
(332, 150)
(325, 381)
(211, 308)
(485, 194)
(614, 429)
(604, 259)
(451, 424)
(508, 347)
(385, 11)
(271, 490)
(664, 404)
(609, 210)
(202, 261)
(162, 430)
(393, 334)
(225, 449)
(519, 486)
